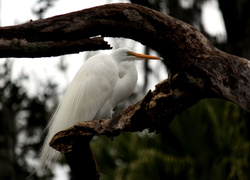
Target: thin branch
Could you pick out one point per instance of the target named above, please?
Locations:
(24, 48)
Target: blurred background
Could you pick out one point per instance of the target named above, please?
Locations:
(211, 140)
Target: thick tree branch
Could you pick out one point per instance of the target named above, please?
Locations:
(186, 51)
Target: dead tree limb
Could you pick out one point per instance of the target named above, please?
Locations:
(197, 69)
(185, 50)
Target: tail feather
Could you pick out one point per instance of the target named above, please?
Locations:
(48, 155)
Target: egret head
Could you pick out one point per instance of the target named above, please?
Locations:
(124, 54)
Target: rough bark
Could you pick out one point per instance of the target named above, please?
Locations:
(197, 69)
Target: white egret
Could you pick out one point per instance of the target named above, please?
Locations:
(102, 82)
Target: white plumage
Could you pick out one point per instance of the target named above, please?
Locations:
(102, 82)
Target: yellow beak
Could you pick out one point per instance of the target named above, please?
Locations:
(144, 56)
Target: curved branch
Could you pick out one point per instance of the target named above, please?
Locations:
(116, 20)
(186, 51)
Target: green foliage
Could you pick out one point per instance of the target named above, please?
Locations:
(208, 141)
(216, 133)
(136, 156)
